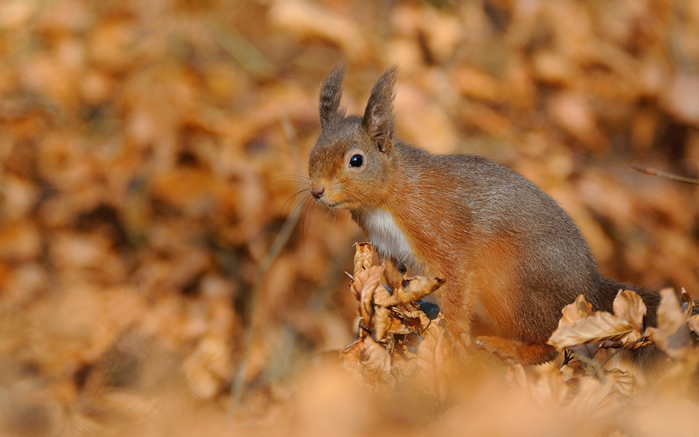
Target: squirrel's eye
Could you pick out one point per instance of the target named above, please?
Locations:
(356, 160)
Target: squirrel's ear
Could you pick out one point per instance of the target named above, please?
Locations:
(378, 116)
(331, 94)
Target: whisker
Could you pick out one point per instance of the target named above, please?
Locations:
(288, 179)
(296, 177)
(290, 199)
(296, 209)
(310, 204)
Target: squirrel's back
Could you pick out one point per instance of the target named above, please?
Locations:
(505, 230)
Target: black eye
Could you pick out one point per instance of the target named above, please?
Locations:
(356, 160)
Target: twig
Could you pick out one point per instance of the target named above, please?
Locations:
(629, 347)
(661, 174)
(265, 264)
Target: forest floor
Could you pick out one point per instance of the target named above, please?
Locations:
(162, 271)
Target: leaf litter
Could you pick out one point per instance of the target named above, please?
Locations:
(399, 344)
(142, 150)
(396, 339)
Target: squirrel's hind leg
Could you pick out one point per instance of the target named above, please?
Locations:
(515, 352)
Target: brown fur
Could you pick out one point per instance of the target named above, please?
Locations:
(511, 257)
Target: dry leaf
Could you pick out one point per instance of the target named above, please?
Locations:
(672, 334)
(363, 256)
(578, 310)
(624, 383)
(383, 297)
(353, 352)
(434, 358)
(125, 164)
(376, 360)
(629, 306)
(393, 352)
(687, 304)
(307, 19)
(416, 288)
(404, 363)
(580, 326)
(400, 325)
(603, 397)
(682, 97)
(599, 327)
(380, 322)
(363, 287)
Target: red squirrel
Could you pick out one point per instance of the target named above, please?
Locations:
(511, 257)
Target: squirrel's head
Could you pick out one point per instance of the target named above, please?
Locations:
(351, 164)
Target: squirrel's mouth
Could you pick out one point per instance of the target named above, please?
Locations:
(332, 205)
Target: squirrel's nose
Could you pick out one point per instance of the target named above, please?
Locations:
(317, 191)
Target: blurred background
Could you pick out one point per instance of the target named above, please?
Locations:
(155, 260)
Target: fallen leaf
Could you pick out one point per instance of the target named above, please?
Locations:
(416, 288)
(411, 290)
(580, 325)
(672, 334)
(578, 310)
(682, 97)
(629, 306)
(353, 352)
(363, 256)
(306, 19)
(434, 358)
(381, 321)
(687, 304)
(364, 285)
(376, 360)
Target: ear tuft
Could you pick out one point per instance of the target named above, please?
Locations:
(378, 116)
(331, 94)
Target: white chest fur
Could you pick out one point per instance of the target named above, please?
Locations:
(387, 238)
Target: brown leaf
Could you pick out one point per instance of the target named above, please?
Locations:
(414, 289)
(398, 326)
(353, 352)
(404, 362)
(381, 321)
(363, 287)
(624, 383)
(578, 310)
(574, 114)
(376, 360)
(434, 357)
(383, 298)
(603, 396)
(206, 367)
(411, 317)
(600, 327)
(687, 303)
(672, 334)
(629, 306)
(363, 255)
(682, 97)
(476, 84)
(580, 325)
(309, 20)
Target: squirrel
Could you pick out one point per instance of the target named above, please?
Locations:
(511, 256)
